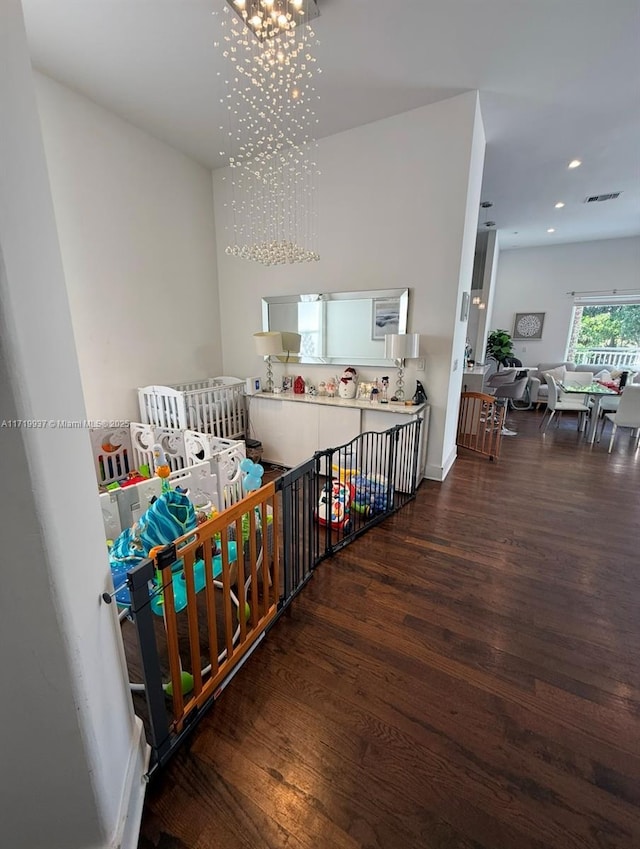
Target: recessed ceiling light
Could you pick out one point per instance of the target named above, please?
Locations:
(560, 204)
(575, 163)
(551, 230)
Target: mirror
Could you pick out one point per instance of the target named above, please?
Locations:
(339, 328)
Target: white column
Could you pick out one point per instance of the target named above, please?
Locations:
(72, 752)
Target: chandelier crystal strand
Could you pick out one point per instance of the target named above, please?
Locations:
(270, 100)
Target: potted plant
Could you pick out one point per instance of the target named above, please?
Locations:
(499, 346)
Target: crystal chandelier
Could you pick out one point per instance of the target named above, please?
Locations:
(270, 100)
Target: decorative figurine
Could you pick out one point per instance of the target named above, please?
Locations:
(348, 385)
(420, 396)
(384, 399)
(298, 385)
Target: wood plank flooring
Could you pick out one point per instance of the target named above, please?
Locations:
(465, 675)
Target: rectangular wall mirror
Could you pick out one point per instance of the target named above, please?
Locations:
(339, 328)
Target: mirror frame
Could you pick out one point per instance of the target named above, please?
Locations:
(364, 295)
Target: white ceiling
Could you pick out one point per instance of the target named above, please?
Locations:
(559, 79)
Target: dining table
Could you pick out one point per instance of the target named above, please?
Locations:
(595, 391)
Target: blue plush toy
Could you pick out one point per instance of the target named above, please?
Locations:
(253, 472)
(169, 517)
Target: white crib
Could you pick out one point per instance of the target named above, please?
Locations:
(215, 405)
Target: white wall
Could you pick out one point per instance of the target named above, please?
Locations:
(538, 279)
(72, 752)
(393, 212)
(136, 228)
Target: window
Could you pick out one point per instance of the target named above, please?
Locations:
(605, 333)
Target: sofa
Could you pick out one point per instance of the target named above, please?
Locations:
(537, 386)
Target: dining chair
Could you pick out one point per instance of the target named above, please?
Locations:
(627, 414)
(559, 404)
(507, 387)
(578, 378)
(610, 403)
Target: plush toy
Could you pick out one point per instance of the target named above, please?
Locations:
(348, 383)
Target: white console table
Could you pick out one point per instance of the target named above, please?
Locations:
(473, 378)
(293, 427)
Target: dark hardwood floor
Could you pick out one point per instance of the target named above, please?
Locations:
(465, 675)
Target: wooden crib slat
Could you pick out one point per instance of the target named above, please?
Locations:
(210, 601)
(253, 557)
(173, 648)
(266, 580)
(192, 621)
(276, 553)
(240, 583)
(226, 588)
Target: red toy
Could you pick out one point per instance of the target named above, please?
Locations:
(335, 503)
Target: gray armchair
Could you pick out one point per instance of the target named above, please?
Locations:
(507, 387)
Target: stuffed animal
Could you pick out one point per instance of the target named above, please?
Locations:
(348, 385)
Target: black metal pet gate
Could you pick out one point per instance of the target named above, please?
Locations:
(256, 558)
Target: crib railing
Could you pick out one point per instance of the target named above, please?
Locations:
(214, 405)
(281, 533)
(364, 481)
(199, 651)
(208, 466)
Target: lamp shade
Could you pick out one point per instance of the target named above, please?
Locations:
(268, 343)
(401, 346)
(291, 342)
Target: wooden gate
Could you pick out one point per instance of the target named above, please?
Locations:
(480, 423)
(214, 592)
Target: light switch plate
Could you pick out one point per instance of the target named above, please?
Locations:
(420, 365)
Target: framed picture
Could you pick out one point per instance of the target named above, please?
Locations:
(528, 325)
(386, 317)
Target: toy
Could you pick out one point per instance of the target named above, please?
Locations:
(169, 517)
(253, 472)
(161, 466)
(371, 494)
(199, 580)
(345, 469)
(334, 504)
(348, 384)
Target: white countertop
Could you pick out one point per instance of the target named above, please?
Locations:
(359, 404)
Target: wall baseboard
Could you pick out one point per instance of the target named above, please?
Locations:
(439, 473)
(133, 793)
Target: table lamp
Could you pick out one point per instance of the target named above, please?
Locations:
(400, 347)
(268, 343)
(291, 343)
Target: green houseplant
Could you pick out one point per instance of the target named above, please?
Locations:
(499, 346)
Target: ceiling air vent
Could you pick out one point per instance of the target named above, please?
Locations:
(610, 196)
